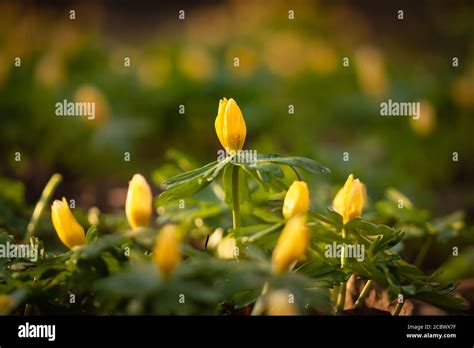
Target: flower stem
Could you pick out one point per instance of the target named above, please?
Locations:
(341, 298)
(260, 305)
(365, 291)
(235, 198)
(298, 175)
(398, 308)
(39, 208)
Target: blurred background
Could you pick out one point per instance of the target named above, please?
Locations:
(281, 62)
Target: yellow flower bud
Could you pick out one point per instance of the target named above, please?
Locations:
(166, 252)
(66, 226)
(138, 206)
(350, 199)
(230, 125)
(292, 244)
(296, 200)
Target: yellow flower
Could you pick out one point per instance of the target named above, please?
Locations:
(227, 248)
(350, 199)
(296, 200)
(291, 245)
(5, 303)
(138, 206)
(230, 125)
(166, 253)
(66, 226)
(279, 303)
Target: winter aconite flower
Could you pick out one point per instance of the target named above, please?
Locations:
(350, 199)
(166, 252)
(230, 125)
(296, 200)
(138, 206)
(66, 226)
(292, 244)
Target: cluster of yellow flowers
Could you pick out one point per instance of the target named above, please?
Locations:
(231, 130)
(138, 209)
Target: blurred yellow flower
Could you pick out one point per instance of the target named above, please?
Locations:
(463, 90)
(138, 205)
(280, 302)
(197, 64)
(425, 124)
(5, 303)
(166, 252)
(350, 200)
(230, 125)
(291, 245)
(371, 71)
(68, 229)
(284, 53)
(246, 58)
(226, 249)
(321, 58)
(296, 200)
(154, 70)
(50, 70)
(91, 94)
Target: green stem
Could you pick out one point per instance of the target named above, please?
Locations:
(298, 175)
(341, 299)
(46, 195)
(365, 291)
(398, 308)
(260, 305)
(235, 198)
(423, 252)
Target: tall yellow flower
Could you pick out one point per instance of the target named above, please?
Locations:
(292, 244)
(230, 125)
(138, 206)
(296, 200)
(350, 200)
(166, 252)
(66, 226)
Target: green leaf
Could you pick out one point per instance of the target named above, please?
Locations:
(193, 174)
(187, 184)
(367, 228)
(299, 162)
(91, 235)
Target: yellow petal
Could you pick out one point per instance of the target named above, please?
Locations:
(230, 125)
(291, 245)
(219, 123)
(350, 200)
(70, 232)
(138, 206)
(296, 200)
